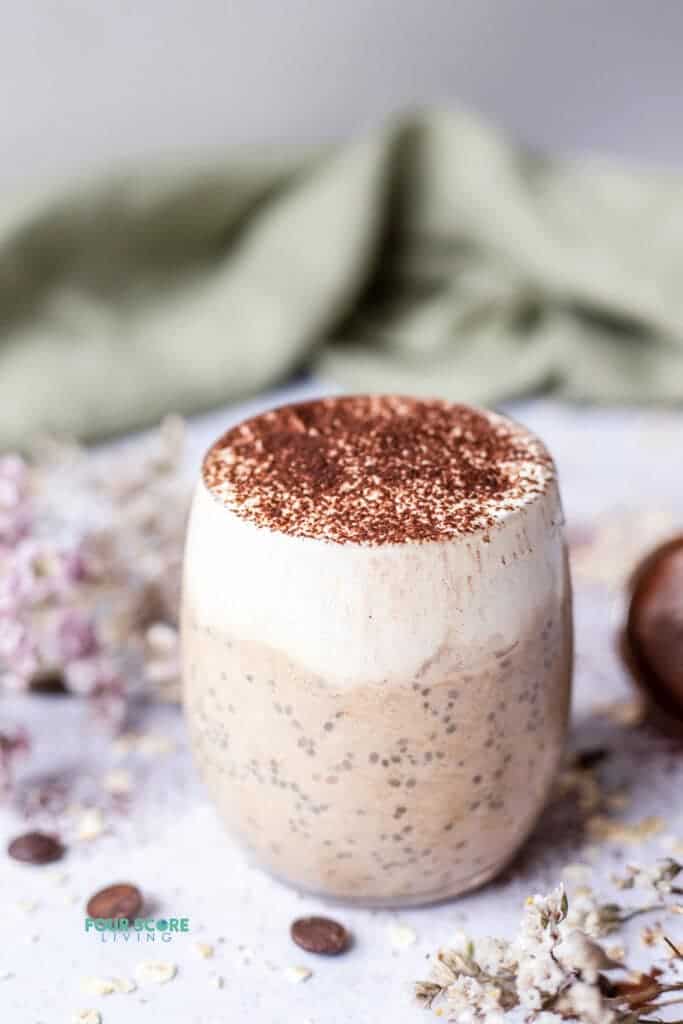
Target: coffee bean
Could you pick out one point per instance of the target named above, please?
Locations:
(49, 684)
(36, 848)
(320, 935)
(587, 759)
(116, 901)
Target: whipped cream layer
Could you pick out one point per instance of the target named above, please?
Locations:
(367, 613)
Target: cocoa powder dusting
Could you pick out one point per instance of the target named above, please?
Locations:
(376, 469)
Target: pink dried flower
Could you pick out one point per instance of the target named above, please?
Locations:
(75, 565)
(75, 636)
(109, 703)
(15, 515)
(82, 540)
(12, 590)
(99, 679)
(108, 699)
(13, 480)
(14, 524)
(12, 745)
(17, 648)
(14, 468)
(83, 675)
(38, 571)
(35, 564)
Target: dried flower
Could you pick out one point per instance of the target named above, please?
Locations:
(595, 919)
(579, 954)
(90, 556)
(74, 635)
(585, 1002)
(474, 994)
(659, 878)
(14, 508)
(552, 969)
(12, 745)
(539, 975)
(471, 1001)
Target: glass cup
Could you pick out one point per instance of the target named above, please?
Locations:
(378, 721)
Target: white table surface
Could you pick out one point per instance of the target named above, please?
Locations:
(170, 842)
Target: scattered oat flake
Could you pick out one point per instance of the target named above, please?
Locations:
(654, 935)
(616, 953)
(577, 872)
(618, 801)
(157, 971)
(204, 949)
(401, 936)
(124, 743)
(124, 985)
(650, 935)
(91, 825)
(148, 743)
(154, 744)
(27, 906)
(622, 712)
(86, 1017)
(602, 828)
(584, 785)
(161, 637)
(118, 781)
(295, 975)
(98, 986)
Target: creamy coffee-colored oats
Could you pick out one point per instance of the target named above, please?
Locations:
(377, 642)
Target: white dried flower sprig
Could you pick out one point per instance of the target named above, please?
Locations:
(592, 917)
(601, 919)
(552, 970)
(658, 879)
(473, 992)
(90, 554)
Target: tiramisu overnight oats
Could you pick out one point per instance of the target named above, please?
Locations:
(377, 642)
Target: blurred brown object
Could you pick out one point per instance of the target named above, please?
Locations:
(652, 641)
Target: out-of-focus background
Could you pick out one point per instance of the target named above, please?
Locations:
(199, 200)
(84, 83)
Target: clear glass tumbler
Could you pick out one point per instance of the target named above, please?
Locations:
(377, 643)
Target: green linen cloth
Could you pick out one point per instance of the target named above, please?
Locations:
(432, 258)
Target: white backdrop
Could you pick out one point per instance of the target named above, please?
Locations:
(85, 82)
